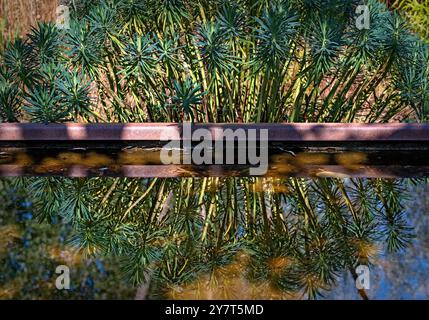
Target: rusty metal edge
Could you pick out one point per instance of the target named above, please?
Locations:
(297, 132)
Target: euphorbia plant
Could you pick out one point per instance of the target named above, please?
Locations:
(217, 61)
(417, 14)
(249, 61)
(297, 235)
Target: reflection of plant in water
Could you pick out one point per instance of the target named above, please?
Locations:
(30, 252)
(183, 234)
(407, 271)
(220, 61)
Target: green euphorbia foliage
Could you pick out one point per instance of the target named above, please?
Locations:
(174, 231)
(417, 13)
(249, 60)
(222, 61)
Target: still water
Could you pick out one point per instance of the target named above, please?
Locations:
(214, 237)
(282, 161)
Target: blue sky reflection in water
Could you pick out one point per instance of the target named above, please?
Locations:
(211, 228)
(403, 275)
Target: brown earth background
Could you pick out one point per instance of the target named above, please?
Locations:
(17, 16)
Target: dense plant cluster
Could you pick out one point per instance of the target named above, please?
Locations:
(417, 13)
(217, 61)
(30, 252)
(297, 235)
(222, 61)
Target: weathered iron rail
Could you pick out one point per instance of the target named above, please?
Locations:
(298, 132)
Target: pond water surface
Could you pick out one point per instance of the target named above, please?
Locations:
(214, 237)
